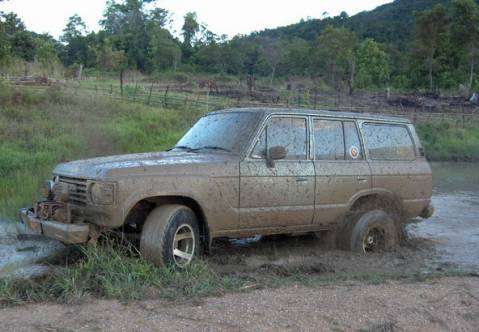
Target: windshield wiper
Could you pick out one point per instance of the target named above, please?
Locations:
(212, 147)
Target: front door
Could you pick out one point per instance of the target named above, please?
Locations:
(282, 194)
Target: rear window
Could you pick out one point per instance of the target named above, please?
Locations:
(336, 140)
(388, 142)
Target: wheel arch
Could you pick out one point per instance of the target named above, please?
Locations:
(139, 211)
(381, 199)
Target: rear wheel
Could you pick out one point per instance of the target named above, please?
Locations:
(371, 231)
(170, 236)
(374, 231)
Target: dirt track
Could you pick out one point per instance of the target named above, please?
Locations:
(440, 305)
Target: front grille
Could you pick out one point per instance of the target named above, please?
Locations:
(76, 190)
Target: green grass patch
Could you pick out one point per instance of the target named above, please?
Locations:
(443, 142)
(40, 128)
(116, 271)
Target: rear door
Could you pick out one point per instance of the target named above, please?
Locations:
(342, 173)
(282, 195)
(395, 166)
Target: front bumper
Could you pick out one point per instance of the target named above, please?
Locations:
(66, 233)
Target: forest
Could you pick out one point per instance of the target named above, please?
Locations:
(416, 46)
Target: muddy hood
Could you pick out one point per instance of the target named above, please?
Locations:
(157, 162)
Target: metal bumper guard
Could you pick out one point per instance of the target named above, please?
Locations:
(66, 233)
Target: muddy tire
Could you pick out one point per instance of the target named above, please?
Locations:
(373, 231)
(170, 236)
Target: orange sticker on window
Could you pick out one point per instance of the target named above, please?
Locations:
(354, 152)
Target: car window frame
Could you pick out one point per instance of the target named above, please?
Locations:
(306, 118)
(342, 120)
(404, 125)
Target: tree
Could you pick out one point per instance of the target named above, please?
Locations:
(297, 57)
(74, 29)
(430, 39)
(372, 69)
(274, 54)
(190, 28)
(46, 54)
(465, 33)
(77, 49)
(4, 45)
(335, 54)
(125, 23)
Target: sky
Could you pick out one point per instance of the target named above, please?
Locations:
(220, 16)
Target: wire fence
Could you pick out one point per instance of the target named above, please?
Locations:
(184, 97)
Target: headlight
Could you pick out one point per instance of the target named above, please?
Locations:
(47, 189)
(102, 193)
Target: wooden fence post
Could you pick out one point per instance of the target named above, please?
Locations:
(149, 95)
(134, 93)
(165, 102)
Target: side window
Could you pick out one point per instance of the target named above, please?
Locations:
(288, 132)
(352, 142)
(328, 139)
(388, 142)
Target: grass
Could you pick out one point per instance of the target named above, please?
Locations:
(115, 271)
(443, 142)
(40, 128)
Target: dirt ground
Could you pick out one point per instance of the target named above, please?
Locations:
(440, 305)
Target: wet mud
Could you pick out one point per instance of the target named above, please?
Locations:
(26, 255)
(288, 256)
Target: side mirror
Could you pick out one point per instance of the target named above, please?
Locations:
(275, 153)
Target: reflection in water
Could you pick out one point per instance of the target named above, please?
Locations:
(455, 224)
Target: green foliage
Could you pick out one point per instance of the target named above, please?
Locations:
(465, 38)
(408, 44)
(39, 129)
(113, 270)
(431, 37)
(335, 55)
(443, 142)
(372, 65)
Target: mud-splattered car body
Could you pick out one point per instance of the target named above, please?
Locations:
(294, 171)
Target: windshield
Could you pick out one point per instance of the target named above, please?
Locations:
(228, 132)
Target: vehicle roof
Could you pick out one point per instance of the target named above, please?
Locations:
(326, 113)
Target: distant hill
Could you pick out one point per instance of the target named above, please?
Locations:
(389, 23)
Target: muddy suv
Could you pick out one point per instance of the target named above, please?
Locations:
(352, 177)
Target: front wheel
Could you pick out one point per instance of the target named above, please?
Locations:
(170, 236)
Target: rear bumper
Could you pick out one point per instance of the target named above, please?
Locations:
(66, 233)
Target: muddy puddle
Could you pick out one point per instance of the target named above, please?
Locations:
(450, 239)
(26, 255)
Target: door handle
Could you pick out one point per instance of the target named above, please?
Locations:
(301, 180)
(362, 179)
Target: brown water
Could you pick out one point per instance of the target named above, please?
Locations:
(454, 227)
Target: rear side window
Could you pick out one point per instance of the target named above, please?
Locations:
(388, 142)
(329, 140)
(336, 140)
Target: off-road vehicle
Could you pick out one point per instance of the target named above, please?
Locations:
(243, 172)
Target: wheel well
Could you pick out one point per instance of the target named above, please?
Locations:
(137, 215)
(387, 202)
